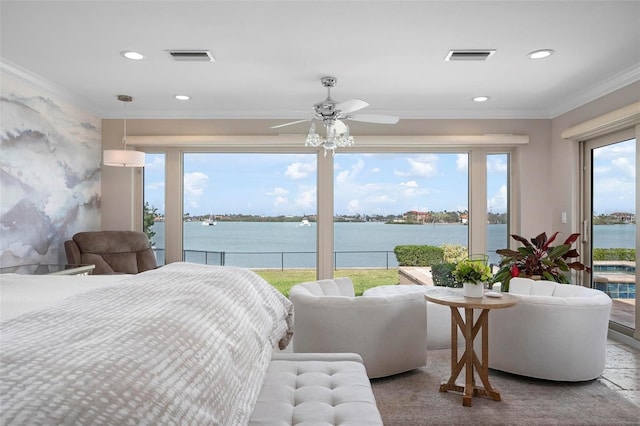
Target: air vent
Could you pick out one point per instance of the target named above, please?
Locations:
(192, 55)
(469, 55)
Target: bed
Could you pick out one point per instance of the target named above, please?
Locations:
(181, 344)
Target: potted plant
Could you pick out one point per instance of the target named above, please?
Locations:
(538, 259)
(472, 274)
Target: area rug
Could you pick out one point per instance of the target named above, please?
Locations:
(413, 398)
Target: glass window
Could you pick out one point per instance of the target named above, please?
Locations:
(385, 200)
(154, 202)
(497, 204)
(250, 210)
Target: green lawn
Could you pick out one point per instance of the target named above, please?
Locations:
(363, 279)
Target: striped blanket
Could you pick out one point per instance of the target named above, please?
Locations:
(182, 344)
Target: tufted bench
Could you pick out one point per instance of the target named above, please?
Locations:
(317, 388)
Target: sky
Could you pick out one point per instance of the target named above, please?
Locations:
(285, 184)
(614, 178)
(365, 184)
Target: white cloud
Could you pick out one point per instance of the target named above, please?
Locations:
(154, 186)
(353, 206)
(347, 175)
(496, 164)
(423, 166)
(380, 199)
(195, 183)
(156, 163)
(300, 170)
(611, 187)
(410, 192)
(280, 201)
(410, 184)
(278, 191)
(498, 202)
(306, 199)
(375, 170)
(625, 166)
(462, 162)
(194, 186)
(600, 170)
(621, 149)
(280, 196)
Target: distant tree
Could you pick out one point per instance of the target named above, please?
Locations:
(148, 219)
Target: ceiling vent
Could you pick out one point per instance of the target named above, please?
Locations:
(192, 55)
(469, 55)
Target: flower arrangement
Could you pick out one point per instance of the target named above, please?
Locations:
(539, 258)
(472, 271)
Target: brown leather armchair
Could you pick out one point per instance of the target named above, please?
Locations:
(113, 252)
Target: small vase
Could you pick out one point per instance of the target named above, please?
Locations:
(472, 290)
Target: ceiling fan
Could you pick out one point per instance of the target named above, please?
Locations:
(331, 114)
(331, 110)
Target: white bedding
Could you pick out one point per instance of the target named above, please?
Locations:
(24, 293)
(182, 344)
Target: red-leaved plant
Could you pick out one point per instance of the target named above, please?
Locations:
(539, 258)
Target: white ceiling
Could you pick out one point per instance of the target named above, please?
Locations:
(270, 55)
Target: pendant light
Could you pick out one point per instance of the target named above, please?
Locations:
(123, 157)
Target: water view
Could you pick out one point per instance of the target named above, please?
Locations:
(357, 245)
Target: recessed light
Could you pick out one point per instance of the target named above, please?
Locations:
(540, 54)
(481, 99)
(130, 54)
(182, 97)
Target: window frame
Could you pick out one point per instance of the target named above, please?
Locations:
(477, 148)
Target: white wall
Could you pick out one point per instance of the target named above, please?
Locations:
(564, 155)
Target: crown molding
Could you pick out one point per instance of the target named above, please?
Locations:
(474, 114)
(617, 81)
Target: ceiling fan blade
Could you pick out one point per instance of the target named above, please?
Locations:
(351, 105)
(374, 118)
(289, 124)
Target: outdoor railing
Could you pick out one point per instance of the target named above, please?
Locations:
(287, 259)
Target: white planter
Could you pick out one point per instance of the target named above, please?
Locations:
(472, 290)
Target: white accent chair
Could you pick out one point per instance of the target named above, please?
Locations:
(438, 316)
(555, 332)
(388, 331)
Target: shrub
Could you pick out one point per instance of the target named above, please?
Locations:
(412, 255)
(614, 254)
(442, 274)
(454, 252)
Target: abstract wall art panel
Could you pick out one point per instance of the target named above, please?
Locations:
(49, 174)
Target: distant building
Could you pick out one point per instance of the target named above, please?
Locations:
(625, 217)
(416, 217)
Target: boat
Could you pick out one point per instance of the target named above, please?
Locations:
(209, 222)
(304, 222)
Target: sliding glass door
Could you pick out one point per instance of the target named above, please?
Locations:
(611, 193)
